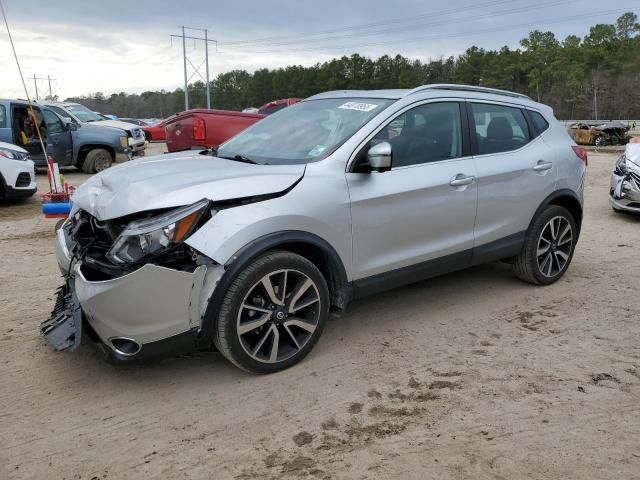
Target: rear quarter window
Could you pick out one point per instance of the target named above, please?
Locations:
(3, 117)
(539, 122)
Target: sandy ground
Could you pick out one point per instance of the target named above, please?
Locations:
(471, 375)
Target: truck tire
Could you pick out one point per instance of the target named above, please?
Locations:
(97, 160)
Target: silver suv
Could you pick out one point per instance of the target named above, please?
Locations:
(343, 195)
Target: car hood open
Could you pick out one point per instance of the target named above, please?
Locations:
(178, 179)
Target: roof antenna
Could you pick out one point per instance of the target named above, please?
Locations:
(33, 114)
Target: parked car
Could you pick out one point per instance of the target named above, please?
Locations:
(624, 191)
(342, 195)
(90, 146)
(135, 121)
(79, 114)
(202, 128)
(599, 134)
(156, 132)
(17, 175)
(277, 105)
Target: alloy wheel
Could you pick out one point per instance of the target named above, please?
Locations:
(554, 246)
(278, 316)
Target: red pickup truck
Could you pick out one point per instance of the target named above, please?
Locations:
(203, 128)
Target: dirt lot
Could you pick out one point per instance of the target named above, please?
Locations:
(472, 375)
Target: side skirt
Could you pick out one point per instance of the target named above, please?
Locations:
(504, 248)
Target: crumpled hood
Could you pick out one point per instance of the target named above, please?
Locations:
(632, 153)
(178, 179)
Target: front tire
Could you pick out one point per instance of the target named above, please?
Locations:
(273, 313)
(548, 248)
(97, 160)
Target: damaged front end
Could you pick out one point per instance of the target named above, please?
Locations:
(132, 284)
(624, 190)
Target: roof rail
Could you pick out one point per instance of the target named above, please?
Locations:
(466, 88)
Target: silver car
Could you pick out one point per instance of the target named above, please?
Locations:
(624, 191)
(345, 194)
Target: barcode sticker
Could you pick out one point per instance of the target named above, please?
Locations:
(361, 107)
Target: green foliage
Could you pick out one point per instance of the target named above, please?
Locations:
(564, 74)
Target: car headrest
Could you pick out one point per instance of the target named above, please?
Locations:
(499, 129)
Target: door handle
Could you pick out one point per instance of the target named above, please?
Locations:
(542, 166)
(460, 180)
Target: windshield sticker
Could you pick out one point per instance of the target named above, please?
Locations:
(361, 107)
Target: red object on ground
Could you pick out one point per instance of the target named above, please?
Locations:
(274, 106)
(63, 197)
(156, 132)
(203, 128)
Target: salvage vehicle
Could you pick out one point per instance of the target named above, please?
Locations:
(202, 128)
(79, 114)
(91, 147)
(624, 191)
(599, 134)
(17, 172)
(342, 195)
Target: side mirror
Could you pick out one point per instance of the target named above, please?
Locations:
(70, 124)
(379, 157)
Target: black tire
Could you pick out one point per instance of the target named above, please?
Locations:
(527, 266)
(227, 337)
(148, 136)
(97, 160)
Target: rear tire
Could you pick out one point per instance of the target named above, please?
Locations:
(97, 160)
(548, 248)
(273, 313)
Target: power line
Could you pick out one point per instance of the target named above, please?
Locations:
(439, 36)
(391, 21)
(423, 25)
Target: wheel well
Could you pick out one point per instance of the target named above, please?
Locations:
(571, 204)
(328, 266)
(85, 149)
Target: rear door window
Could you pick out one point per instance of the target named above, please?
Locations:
(3, 117)
(499, 128)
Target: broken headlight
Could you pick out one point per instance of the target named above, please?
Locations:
(621, 166)
(151, 236)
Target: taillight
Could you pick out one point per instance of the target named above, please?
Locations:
(199, 130)
(581, 153)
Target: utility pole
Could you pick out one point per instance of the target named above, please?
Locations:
(186, 82)
(595, 101)
(35, 84)
(196, 70)
(206, 59)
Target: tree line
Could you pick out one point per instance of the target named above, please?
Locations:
(581, 78)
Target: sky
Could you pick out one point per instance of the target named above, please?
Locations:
(109, 46)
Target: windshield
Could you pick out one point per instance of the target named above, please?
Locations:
(304, 132)
(83, 113)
